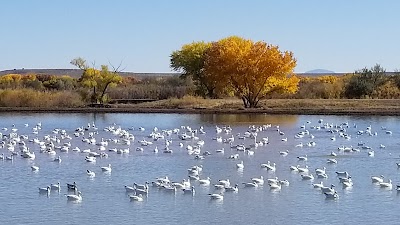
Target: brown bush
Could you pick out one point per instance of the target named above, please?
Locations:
(37, 99)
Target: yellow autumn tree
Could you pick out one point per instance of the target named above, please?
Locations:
(252, 70)
(97, 80)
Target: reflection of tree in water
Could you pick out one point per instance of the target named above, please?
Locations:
(249, 119)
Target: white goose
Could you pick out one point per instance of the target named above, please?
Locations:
(273, 180)
(318, 185)
(258, 180)
(56, 187)
(130, 188)
(136, 198)
(303, 169)
(232, 189)
(35, 168)
(342, 174)
(225, 183)
(191, 191)
(377, 179)
(216, 196)
(271, 167)
(76, 198)
(265, 165)
(387, 185)
(331, 195)
(294, 168)
(106, 168)
(320, 171)
(347, 184)
(240, 165)
(328, 189)
(250, 184)
(331, 161)
(45, 190)
(205, 182)
(302, 158)
(275, 186)
(284, 153)
(90, 173)
(307, 177)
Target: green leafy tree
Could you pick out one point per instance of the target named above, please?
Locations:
(365, 81)
(189, 60)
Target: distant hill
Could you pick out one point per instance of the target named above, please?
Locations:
(75, 72)
(321, 71)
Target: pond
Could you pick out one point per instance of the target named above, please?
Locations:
(365, 146)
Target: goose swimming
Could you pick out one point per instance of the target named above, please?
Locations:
(377, 179)
(189, 191)
(387, 185)
(76, 198)
(72, 187)
(136, 198)
(205, 181)
(106, 168)
(216, 196)
(45, 190)
(258, 180)
(90, 173)
(232, 189)
(55, 187)
(331, 195)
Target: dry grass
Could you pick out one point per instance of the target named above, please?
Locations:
(38, 99)
(295, 106)
(197, 102)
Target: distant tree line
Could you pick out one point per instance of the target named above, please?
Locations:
(32, 89)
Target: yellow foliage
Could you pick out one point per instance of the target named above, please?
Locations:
(252, 69)
(9, 78)
(328, 79)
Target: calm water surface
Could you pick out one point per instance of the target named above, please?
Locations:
(106, 202)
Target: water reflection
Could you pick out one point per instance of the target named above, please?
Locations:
(249, 119)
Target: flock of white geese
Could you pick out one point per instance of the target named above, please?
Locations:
(190, 140)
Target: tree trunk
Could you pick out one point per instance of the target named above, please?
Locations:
(246, 102)
(103, 93)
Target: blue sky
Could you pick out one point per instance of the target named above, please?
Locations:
(338, 35)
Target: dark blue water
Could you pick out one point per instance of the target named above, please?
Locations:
(106, 202)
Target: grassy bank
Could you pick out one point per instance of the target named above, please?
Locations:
(272, 106)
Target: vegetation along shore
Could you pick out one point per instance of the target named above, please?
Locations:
(231, 75)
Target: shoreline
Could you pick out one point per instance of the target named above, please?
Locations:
(364, 107)
(293, 111)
